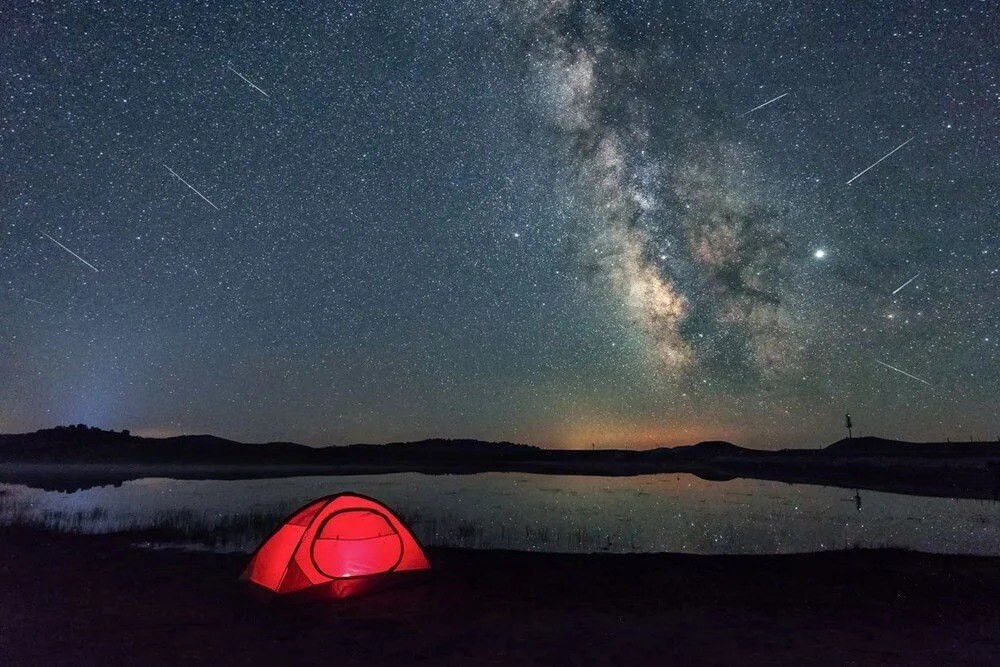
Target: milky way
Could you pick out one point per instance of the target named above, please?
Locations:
(570, 68)
(734, 246)
(570, 222)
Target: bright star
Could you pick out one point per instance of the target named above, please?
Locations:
(819, 253)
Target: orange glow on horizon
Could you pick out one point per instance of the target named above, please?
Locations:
(635, 436)
(580, 434)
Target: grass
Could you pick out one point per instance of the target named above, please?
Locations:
(221, 532)
(244, 531)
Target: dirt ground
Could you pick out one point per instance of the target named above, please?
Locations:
(98, 600)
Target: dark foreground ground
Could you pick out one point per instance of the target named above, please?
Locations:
(77, 600)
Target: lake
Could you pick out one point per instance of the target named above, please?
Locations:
(651, 513)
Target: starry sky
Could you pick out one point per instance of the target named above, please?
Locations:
(559, 222)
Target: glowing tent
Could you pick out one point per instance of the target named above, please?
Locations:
(335, 547)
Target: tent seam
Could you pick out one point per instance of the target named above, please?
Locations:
(291, 559)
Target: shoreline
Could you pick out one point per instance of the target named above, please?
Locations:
(931, 479)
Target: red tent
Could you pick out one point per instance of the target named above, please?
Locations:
(335, 547)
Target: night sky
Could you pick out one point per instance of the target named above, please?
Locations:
(564, 223)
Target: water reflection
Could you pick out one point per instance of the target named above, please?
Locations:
(679, 513)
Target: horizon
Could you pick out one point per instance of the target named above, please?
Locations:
(160, 434)
(625, 437)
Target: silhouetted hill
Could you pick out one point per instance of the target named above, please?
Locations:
(83, 444)
(708, 448)
(435, 447)
(79, 443)
(870, 446)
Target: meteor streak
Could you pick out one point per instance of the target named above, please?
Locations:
(761, 106)
(248, 81)
(71, 252)
(905, 284)
(857, 175)
(192, 187)
(904, 373)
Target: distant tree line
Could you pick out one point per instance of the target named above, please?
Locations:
(83, 428)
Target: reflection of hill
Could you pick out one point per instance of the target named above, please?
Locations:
(92, 456)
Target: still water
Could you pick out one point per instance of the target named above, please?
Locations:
(652, 513)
